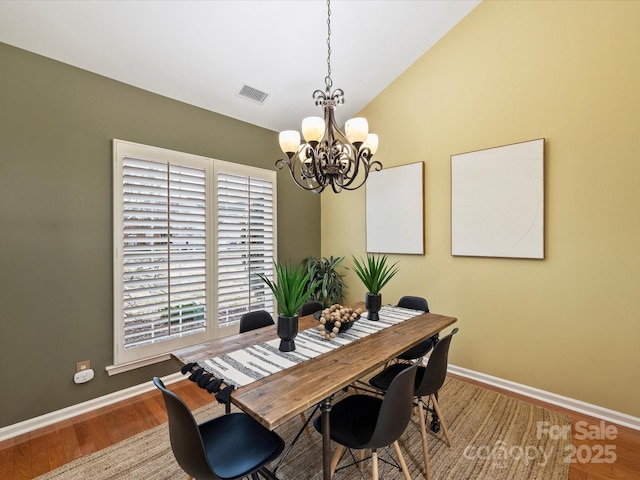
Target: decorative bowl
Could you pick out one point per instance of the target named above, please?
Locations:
(328, 326)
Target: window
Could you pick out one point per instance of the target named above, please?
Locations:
(189, 235)
(245, 207)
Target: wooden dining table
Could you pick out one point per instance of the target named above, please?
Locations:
(278, 397)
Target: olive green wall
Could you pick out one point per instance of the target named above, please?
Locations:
(568, 72)
(56, 127)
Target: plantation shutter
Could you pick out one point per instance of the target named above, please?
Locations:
(163, 251)
(245, 206)
(175, 249)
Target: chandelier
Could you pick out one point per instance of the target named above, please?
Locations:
(329, 156)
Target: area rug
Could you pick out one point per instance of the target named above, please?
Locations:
(494, 437)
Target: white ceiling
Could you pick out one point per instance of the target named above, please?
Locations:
(203, 52)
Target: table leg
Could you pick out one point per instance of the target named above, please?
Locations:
(325, 408)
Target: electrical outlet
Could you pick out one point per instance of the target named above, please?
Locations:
(81, 366)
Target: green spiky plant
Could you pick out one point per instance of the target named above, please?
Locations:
(329, 283)
(374, 273)
(291, 287)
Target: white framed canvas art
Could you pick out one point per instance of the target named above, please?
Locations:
(395, 210)
(497, 201)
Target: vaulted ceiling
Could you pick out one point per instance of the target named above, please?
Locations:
(204, 52)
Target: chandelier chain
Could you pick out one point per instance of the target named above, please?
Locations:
(328, 80)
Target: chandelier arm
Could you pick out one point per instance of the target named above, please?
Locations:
(312, 171)
(356, 169)
(378, 167)
(289, 163)
(318, 169)
(377, 164)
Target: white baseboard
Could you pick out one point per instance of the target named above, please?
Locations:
(549, 397)
(31, 424)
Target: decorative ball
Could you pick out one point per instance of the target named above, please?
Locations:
(336, 319)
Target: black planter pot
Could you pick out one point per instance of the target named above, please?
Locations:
(373, 303)
(287, 331)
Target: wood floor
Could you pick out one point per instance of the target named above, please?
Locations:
(32, 454)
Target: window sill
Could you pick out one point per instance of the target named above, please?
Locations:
(125, 367)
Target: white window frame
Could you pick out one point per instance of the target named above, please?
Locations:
(130, 358)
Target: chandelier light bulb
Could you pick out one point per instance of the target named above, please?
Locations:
(313, 129)
(289, 141)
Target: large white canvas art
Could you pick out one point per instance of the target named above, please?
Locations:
(394, 210)
(497, 201)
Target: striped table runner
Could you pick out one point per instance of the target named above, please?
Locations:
(249, 364)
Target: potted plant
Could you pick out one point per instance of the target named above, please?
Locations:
(329, 283)
(374, 274)
(290, 290)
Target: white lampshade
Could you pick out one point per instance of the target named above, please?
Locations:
(289, 141)
(371, 143)
(356, 129)
(313, 129)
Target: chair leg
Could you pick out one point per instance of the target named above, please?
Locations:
(304, 420)
(436, 407)
(425, 448)
(268, 474)
(336, 459)
(403, 465)
(374, 464)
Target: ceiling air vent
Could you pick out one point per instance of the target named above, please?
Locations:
(253, 94)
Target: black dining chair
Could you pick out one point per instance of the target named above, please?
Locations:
(428, 381)
(227, 447)
(367, 422)
(310, 307)
(420, 350)
(257, 319)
